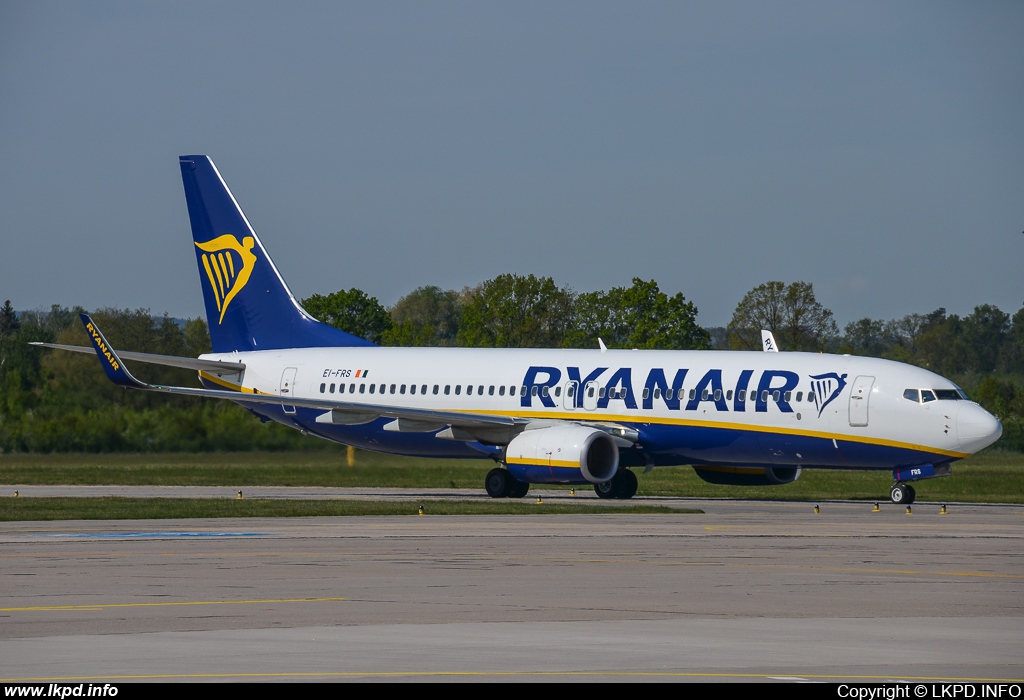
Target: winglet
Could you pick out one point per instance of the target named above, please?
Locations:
(112, 365)
(768, 342)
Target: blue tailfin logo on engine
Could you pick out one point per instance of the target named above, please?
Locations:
(228, 265)
(830, 385)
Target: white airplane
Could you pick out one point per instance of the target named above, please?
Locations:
(551, 416)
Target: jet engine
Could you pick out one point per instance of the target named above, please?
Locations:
(562, 454)
(748, 476)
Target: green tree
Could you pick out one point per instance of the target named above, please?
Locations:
(427, 316)
(352, 311)
(985, 332)
(512, 311)
(640, 316)
(8, 319)
(791, 312)
(866, 337)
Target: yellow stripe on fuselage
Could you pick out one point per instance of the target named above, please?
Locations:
(226, 384)
(591, 417)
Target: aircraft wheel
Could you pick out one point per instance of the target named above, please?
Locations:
(606, 490)
(911, 495)
(627, 484)
(498, 483)
(898, 494)
(518, 489)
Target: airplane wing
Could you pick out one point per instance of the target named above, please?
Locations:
(407, 419)
(166, 360)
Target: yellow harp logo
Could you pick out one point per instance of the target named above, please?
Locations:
(228, 264)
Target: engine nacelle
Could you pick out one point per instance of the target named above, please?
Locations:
(563, 454)
(748, 476)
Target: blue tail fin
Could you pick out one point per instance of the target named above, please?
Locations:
(248, 304)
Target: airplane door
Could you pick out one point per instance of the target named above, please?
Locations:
(860, 395)
(288, 387)
(590, 395)
(569, 400)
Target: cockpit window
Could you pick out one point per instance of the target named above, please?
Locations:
(948, 394)
(911, 394)
(927, 395)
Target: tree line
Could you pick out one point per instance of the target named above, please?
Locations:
(61, 402)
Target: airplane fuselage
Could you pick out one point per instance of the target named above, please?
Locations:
(687, 407)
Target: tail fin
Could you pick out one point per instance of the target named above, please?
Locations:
(248, 304)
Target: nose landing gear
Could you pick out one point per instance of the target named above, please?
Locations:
(902, 494)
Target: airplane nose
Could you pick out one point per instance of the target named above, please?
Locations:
(976, 428)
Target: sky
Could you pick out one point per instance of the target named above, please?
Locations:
(873, 149)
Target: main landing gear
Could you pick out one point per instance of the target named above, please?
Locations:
(623, 485)
(902, 494)
(500, 484)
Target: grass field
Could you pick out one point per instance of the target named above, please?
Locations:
(159, 508)
(990, 477)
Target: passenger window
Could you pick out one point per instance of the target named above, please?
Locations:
(322, 388)
(704, 395)
(927, 395)
(401, 389)
(764, 396)
(330, 389)
(533, 391)
(544, 392)
(810, 396)
(558, 391)
(742, 395)
(799, 396)
(912, 395)
(447, 389)
(352, 389)
(392, 388)
(341, 388)
(590, 392)
(469, 390)
(480, 390)
(412, 388)
(647, 392)
(373, 387)
(602, 392)
(362, 388)
(423, 389)
(728, 395)
(458, 389)
(436, 388)
(657, 392)
(775, 396)
(718, 394)
(501, 390)
(571, 391)
(490, 390)
(522, 390)
(693, 394)
(788, 395)
(668, 394)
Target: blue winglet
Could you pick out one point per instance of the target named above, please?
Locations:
(112, 365)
